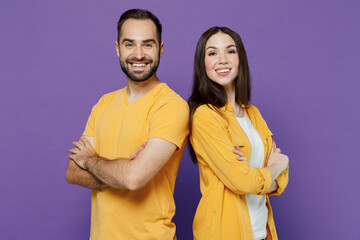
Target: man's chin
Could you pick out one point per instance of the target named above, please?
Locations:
(138, 78)
(139, 75)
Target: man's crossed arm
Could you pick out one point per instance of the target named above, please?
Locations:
(87, 169)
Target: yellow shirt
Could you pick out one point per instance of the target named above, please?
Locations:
(222, 213)
(120, 127)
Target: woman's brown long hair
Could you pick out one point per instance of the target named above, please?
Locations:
(205, 91)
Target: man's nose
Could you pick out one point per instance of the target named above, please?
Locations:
(139, 53)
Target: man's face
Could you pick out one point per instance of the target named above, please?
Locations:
(139, 49)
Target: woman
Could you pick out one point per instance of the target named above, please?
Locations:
(238, 162)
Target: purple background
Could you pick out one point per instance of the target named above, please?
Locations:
(58, 57)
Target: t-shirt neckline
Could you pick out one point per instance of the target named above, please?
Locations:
(151, 92)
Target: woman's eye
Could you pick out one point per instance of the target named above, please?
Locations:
(232, 52)
(212, 54)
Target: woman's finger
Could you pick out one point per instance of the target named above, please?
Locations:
(238, 153)
(242, 159)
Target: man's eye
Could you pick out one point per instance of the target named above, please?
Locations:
(128, 45)
(148, 45)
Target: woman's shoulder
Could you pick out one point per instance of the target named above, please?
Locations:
(208, 112)
(205, 109)
(250, 107)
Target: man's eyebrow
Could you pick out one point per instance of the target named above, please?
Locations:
(148, 40)
(144, 41)
(127, 40)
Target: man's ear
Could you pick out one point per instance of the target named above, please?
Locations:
(117, 48)
(161, 48)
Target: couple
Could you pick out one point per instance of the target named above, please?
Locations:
(134, 139)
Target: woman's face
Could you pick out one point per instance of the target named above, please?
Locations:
(221, 60)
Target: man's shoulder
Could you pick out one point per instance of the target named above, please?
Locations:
(108, 97)
(113, 93)
(166, 94)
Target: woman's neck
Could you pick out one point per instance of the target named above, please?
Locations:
(237, 110)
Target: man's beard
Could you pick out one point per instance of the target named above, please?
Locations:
(139, 76)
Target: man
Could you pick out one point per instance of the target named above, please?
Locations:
(133, 184)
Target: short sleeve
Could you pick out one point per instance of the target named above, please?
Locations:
(90, 125)
(170, 121)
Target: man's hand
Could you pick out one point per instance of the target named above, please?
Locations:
(137, 151)
(82, 152)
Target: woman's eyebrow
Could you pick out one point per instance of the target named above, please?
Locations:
(210, 47)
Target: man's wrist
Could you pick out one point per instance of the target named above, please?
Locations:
(91, 161)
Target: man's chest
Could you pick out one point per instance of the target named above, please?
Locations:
(119, 131)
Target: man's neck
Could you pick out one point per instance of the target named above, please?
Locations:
(137, 90)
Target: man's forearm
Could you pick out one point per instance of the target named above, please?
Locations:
(114, 173)
(131, 174)
(79, 176)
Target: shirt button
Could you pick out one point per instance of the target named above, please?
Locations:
(259, 178)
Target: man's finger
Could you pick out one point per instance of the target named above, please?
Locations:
(74, 150)
(137, 151)
(79, 145)
(86, 142)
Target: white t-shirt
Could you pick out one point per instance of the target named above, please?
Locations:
(256, 204)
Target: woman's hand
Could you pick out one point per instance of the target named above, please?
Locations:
(240, 154)
(277, 163)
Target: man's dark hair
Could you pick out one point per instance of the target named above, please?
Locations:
(139, 14)
(205, 91)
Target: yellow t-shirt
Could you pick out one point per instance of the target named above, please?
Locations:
(119, 128)
(222, 212)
